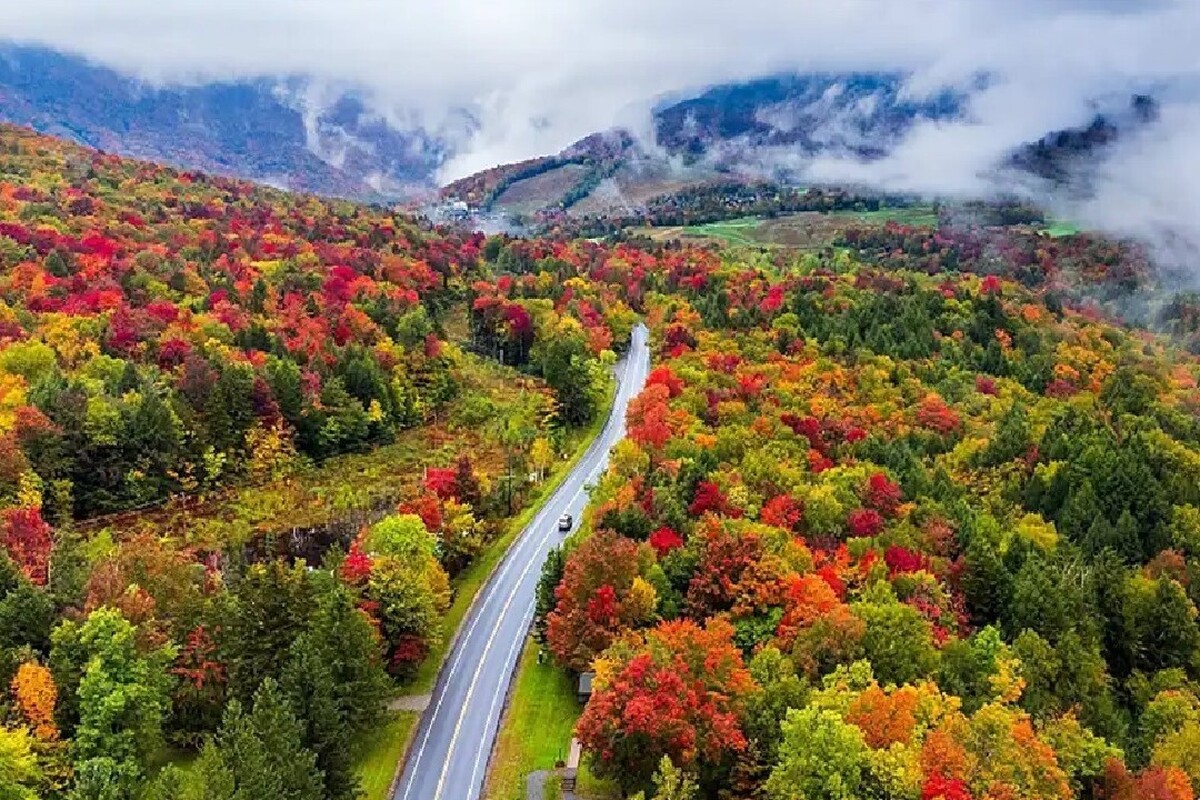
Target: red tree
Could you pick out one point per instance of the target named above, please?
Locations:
(26, 537)
(588, 613)
(677, 695)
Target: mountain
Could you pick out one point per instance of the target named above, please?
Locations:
(753, 129)
(285, 132)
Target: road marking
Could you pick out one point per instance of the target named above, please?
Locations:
(487, 648)
(636, 369)
(487, 721)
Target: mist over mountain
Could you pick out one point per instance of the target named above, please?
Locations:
(362, 99)
(289, 132)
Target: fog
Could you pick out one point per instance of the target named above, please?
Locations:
(511, 79)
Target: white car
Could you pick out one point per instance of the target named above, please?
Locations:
(565, 522)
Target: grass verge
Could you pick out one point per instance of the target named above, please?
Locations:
(468, 583)
(380, 750)
(536, 731)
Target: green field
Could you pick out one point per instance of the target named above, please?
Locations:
(804, 230)
(1059, 227)
(537, 726)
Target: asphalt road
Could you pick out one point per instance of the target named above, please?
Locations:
(449, 757)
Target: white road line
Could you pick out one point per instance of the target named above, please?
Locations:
(487, 721)
(487, 648)
(609, 440)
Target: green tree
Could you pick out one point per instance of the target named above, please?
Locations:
(821, 757)
(262, 752)
(123, 697)
(898, 640)
(18, 766)
(269, 608)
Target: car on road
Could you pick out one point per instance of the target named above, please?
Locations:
(565, 522)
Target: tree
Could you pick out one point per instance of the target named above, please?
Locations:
(551, 576)
(898, 640)
(270, 607)
(19, 772)
(35, 694)
(588, 613)
(308, 684)
(123, 698)
(261, 754)
(678, 695)
(820, 758)
(26, 537)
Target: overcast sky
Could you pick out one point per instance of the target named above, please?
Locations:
(540, 73)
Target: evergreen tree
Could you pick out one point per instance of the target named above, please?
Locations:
(262, 752)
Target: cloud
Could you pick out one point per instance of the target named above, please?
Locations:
(512, 79)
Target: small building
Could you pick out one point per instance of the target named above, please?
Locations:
(584, 691)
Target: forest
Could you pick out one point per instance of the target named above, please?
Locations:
(880, 533)
(174, 346)
(905, 518)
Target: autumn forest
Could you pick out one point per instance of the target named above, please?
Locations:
(910, 516)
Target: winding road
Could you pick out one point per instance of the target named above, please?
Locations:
(449, 757)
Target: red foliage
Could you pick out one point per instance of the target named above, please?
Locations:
(782, 511)
(990, 285)
(881, 494)
(440, 481)
(708, 498)
(578, 630)
(664, 540)
(725, 558)
(408, 651)
(428, 507)
(864, 522)
(985, 385)
(939, 787)
(663, 376)
(197, 661)
(678, 696)
(356, 568)
(901, 560)
(935, 415)
(27, 538)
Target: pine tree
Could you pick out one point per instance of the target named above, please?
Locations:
(308, 681)
(264, 753)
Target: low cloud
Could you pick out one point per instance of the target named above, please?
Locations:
(512, 79)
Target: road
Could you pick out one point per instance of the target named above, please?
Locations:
(449, 757)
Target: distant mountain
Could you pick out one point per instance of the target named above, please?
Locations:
(754, 128)
(283, 132)
(860, 113)
(298, 134)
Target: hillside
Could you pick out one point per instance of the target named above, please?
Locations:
(205, 387)
(285, 132)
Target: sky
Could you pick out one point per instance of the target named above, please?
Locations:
(538, 74)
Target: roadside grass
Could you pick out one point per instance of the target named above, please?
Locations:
(468, 583)
(537, 727)
(377, 752)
